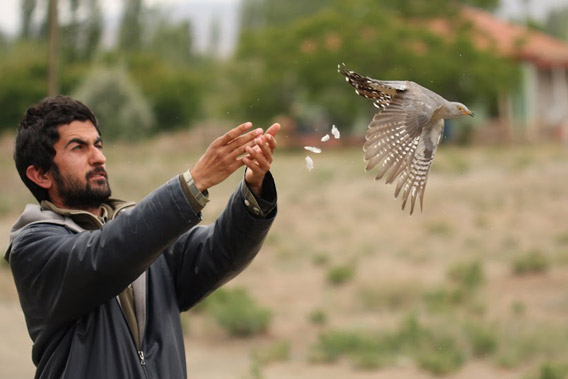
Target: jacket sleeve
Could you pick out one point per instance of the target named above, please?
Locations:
(61, 275)
(206, 257)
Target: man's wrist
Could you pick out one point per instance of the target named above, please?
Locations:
(197, 198)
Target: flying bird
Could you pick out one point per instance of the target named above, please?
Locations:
(403, 136)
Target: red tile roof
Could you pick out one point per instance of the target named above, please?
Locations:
(516, 41)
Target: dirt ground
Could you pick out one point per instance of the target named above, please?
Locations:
(486, 204)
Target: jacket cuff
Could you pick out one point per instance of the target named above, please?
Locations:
(261, 206)
(196, 198)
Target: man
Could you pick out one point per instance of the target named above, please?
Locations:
(101, 281)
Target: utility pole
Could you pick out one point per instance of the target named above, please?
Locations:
(53, 69)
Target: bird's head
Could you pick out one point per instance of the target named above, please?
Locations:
(461, 110)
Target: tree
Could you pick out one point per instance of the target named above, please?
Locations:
(170, 41)
(53, 71)
(120, 107)
(376, 40)
(28, 7)
(81, 36)
(130, 34)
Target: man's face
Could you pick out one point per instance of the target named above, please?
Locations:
(79, 177)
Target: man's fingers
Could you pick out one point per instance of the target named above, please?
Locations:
(257, 154)
(233, 133)
(273, 130)
(265, 147)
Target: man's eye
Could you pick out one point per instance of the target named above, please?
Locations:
(78, 147)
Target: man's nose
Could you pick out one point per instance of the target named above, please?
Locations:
(97, 156)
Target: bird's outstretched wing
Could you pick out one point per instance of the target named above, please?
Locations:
(400, 139)
(413, 177)
(382, 92)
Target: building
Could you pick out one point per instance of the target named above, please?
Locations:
(539, 110)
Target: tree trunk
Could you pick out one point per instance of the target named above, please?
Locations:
(53, 69)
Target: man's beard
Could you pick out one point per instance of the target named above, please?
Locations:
(76, 196)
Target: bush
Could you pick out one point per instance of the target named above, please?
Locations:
(277, 352)
(468, 276)
(533, 262)
(482, 340)
(24, 73)
(119, 106)
(341, 274)
(442, 357)
(549, 370)
(317, 317)
(174, 92)
(237, 313)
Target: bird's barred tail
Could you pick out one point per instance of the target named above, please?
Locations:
(367, 87)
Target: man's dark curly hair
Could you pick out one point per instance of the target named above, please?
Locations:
(37, 133)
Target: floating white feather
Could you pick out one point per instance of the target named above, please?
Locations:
(335, 132)
(313, 149)
(309, 163)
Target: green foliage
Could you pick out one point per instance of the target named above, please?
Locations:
(341, 274)
(391, 296)
(174, 91)
(482, 339)
(468, 276)
(465, 280)
(23, 69)
(552, 370)
(131, 26)
(277, 352)
(121, 109)
(318, 317)
(237, 313)
(533, 262)
(371, 38)
(443, 356)
(433, 350)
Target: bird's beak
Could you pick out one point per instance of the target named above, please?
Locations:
(470, 113)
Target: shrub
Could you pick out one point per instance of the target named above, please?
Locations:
(237, 313)
(533, 262)
(468, 276)
(317, 317)
(341, 274)
(482, 340)
(393, 296)
(550, 370)
(443, 356)
(277, 352)
(121, 109)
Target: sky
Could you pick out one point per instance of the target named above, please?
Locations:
(201, 12)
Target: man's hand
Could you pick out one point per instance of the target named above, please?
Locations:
(222, 157)
(259, 158)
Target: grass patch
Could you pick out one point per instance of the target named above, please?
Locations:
(562, 239)
(434, 350)
(550, 370)
(391, 296)
(439, 228)
(482, 339)
(237, 313)
(277, 352)
(317, 317)
(533, 262)
(468, 276)
(341, 274)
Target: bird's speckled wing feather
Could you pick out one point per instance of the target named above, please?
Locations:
(402, 138)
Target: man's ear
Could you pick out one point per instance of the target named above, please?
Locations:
(39, 177)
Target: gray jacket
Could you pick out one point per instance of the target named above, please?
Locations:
(68, 272)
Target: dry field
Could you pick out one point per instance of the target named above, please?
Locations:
(475, 286)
